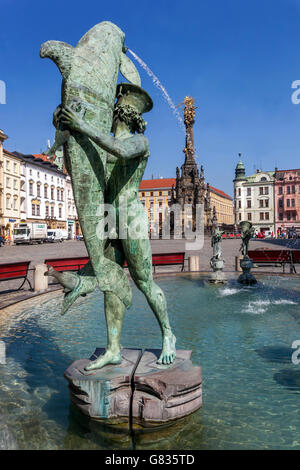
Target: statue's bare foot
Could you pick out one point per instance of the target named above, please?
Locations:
(108, 358)
(168, 352)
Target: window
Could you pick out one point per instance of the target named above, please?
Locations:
(52, 211)
(15, 168)
(57, 193)
(240, 204)
(261, 191)
(261, 216)
(59, 212)
(288, 216)
(8, 182)
(288, 189)
(261, 203)
(280, 203)
(52, 193)
(7, 202)
(38, 209)
(7, 164)
(263, 178)
(30, 172)
(151, 194)
(160, 193)
(293, 202)
(239, 192)
(15, 204)
(33, 209)
(38, 190)
(45, 191)
(47, 211)
(249, 203)
(143, 194)
(267, 190)
(287, 203)
(15, 184)
(280, 190)
(266, 202)
(240, 216)
(249, 216)
(248, 191)
(266, 215)
(30, 188)
(293, 190)
(281, 216)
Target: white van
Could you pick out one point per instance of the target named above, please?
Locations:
(56, 235)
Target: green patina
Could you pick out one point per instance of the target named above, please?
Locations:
(107, 169)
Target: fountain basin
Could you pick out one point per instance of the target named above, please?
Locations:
(240, 335)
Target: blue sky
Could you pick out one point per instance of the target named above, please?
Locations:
(237, 58)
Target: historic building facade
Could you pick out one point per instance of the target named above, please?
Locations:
(156, 197)
(45, 188)
(287, 200)
(73, 225)
(12, 171)
(254, 198)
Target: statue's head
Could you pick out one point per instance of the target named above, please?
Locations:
(132, 102)
(245, 226)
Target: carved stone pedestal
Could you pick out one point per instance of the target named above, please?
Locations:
(103, 394)
(165, 393)
(247, 278)
(138, 392)
(218, 276)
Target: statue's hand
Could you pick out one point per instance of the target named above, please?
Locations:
(71, 119)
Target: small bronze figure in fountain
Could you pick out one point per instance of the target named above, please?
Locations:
(246, 263)
(217, 262)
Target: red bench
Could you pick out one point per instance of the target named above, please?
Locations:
(67, 264)
(10, 271)
(74, 264)
(271, 257)
(295, 258)
(164, 259)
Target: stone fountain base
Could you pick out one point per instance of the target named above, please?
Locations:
(247, 278)
(218, 276)
(138, 391)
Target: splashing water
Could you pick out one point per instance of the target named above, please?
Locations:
(160, 87)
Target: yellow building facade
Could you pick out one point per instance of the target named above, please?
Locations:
(156, 195)
(10, 194)
(223, 204)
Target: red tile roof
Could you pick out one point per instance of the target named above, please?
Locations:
(167, 183)
(43, 157)
(221, 193)
(158, 183)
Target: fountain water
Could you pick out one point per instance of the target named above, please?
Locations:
(165, 94)
(159, 85)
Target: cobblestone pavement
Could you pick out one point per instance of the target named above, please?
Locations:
(38, 253)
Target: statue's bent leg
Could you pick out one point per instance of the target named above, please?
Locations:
(139, 258)
(114, 314)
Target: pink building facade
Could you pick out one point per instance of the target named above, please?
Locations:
(287, 201)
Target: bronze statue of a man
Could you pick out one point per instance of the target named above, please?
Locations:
(126, 162)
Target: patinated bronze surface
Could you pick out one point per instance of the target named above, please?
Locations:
(107, 169)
